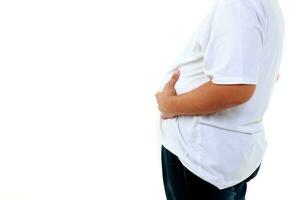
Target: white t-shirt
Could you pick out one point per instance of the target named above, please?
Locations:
(240, 41)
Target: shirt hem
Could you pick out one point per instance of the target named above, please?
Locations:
(186, 163)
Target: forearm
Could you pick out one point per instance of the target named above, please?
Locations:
(207, 98)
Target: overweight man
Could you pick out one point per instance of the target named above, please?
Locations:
(213, 98)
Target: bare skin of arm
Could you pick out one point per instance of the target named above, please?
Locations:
(205, 99)
(210, 98)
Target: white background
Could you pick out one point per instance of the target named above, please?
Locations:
(78, 115)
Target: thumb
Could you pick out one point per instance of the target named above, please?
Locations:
(174, 77)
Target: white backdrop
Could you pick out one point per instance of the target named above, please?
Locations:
(78, 115)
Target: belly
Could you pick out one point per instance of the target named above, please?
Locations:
(191, 76)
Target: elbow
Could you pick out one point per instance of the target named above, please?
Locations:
(230, 95)
(243, 94)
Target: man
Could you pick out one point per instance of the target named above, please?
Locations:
(213, 101)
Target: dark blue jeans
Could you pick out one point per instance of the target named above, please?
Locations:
(181, 184)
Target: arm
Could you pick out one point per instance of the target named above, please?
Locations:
(232, 61)
(210, 98)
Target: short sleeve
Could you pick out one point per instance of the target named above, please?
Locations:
(234, 50)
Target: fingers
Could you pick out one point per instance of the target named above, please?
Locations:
(156, 96)
(174, 77)
(164, 116)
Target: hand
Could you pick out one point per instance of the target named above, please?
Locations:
(163, 97)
